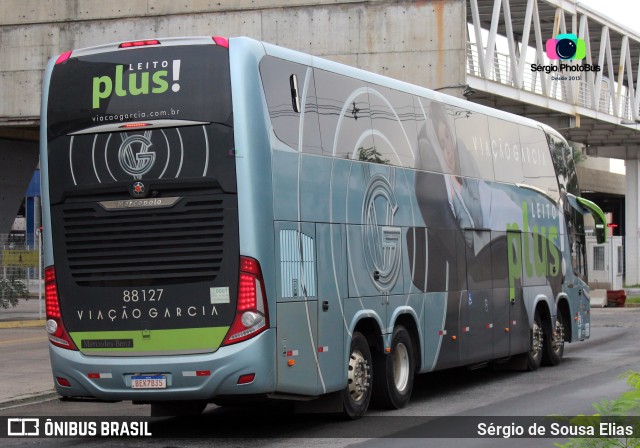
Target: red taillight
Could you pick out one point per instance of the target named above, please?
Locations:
(139, 43)
(135, 125)
(63, 57)
(63, 382)
(247, 293)
(246, 379)
(58, 335)
(222, 41)
(51, 293)
(252, 316)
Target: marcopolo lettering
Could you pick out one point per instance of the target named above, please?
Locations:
(142, 79)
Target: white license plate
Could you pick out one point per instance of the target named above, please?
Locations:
(149, 382)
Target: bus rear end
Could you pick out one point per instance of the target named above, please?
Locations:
(147, 295)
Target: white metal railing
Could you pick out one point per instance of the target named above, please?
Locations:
(500, 71)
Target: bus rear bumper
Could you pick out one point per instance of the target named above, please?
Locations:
(109, 377)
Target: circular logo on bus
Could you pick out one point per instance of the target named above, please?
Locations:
(134, 155)
(381, 240)
(138, 189)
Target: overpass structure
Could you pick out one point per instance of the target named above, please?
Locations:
(482, 50)
(593, 101)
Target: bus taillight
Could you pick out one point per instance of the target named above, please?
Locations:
(63, 57)
(252, 316)
(57, 333)
(139, 43)
(222, 41)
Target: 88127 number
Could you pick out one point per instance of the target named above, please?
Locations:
(142, 295)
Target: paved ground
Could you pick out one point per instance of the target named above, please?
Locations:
(589, 373)
(30, 312)
(25, 371)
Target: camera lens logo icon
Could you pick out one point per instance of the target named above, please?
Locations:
(566, 47)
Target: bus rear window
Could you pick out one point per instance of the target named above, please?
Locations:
(190, 82)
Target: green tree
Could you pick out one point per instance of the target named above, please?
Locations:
(614, 411)
(10, 291)
(371, 155)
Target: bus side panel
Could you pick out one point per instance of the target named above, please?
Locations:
(435, 314)
(450, 348)
(44, 169)
(332, 290)
(253, 160)
(298, 371)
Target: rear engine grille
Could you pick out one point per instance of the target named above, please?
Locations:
(180, 244)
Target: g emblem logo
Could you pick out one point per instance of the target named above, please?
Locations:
(134, 155)
(381, 240)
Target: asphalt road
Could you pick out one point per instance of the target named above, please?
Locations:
(589, 373)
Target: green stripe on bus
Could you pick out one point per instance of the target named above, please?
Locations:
(157, 340)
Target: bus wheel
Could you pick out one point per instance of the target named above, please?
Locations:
(393, 373)
(554, 344)
(357, 395)
(534, 358)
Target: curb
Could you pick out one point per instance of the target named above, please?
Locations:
(30, 398)
(22, 323)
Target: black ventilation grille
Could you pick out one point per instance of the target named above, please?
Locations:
(179, 244)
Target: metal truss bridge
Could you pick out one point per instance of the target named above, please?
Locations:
(599, 109)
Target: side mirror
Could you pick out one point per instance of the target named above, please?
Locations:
(585, 206)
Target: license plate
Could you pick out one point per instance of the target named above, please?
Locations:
(149, 382)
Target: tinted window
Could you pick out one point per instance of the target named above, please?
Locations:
(190, 82)
(437, 138)
(345, 117)
(290, 92)
(557, 148)
(394, 124)
(474, 144)
(536, 161)
(163, 156)
(505, 148)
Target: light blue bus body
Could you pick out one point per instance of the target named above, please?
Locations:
(343, 200)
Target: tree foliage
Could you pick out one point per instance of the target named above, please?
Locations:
(627, 404)
(10, 291)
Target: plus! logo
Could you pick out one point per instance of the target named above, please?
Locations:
(566, 47)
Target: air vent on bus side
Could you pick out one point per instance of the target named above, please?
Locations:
(179, 244)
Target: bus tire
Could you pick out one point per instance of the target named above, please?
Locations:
(554, 343)
(357, 394)
(393, 373)
(534, 357)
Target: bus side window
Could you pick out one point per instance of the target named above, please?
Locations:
(437, 149)
(282, 80)
(505, 148)
(536, 160)
(474, 144)
(345, 117)
(394, 122)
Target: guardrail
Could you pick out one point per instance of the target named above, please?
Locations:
(575, 92)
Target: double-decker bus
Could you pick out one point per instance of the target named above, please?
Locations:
(225, 218)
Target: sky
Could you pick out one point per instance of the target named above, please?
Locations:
(626, 12)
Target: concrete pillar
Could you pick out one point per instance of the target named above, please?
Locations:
(18, 159)
(632, 223)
